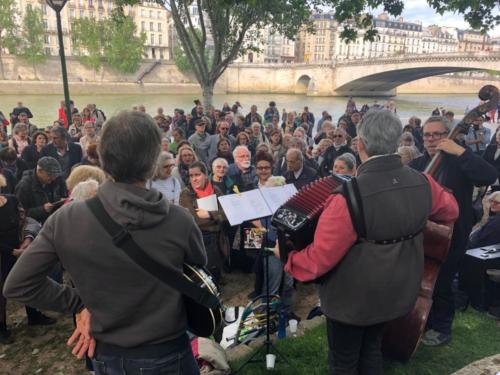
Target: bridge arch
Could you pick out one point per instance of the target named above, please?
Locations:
(302, 84)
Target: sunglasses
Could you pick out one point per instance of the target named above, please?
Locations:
(338, 136)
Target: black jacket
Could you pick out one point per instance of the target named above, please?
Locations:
(489, 156)
(460, 174)
(488, 234)
(307, 176)
(33, 195)
(30, 155)
(329, 158)
(75, 155)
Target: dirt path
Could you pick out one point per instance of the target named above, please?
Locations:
(42, 350)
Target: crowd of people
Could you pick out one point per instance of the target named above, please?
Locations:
(181, 158)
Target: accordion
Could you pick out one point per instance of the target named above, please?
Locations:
(297, 218)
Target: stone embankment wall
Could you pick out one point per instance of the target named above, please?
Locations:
(165, 78)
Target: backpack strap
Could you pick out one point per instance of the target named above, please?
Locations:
(350, 191)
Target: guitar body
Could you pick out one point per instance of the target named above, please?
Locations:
(202, 321)
(402, 335)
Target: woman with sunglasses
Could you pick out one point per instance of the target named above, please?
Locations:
(163, 181)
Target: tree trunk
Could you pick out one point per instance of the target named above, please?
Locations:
(2, 73)
(208, 93)
(34, 70)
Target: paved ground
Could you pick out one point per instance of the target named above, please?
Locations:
(485, 366)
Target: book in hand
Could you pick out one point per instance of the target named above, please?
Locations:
(255, 204)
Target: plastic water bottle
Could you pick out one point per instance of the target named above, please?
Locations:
(282, 324)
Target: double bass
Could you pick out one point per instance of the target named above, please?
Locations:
(297, 219)
(402, 335)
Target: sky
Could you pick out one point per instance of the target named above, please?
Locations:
(420, 10)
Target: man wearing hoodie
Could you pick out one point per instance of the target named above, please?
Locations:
(132, 321)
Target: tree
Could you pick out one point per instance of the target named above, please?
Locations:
(235, 25)
(123, 50)
(89, 39)
(31, 46)
(8, 29)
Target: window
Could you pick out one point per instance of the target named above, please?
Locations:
(45, 24)
(143, 13)
(143, 26)
(71, 13)
(91, 14)
(80, 3)
(160, 39)
(159, 26)
(158, 14)
(46, 39)
(82, 13)
(150, 14)
(152, 39)
(44, 9)
(99, 3)
(91, 3)
(47, 51)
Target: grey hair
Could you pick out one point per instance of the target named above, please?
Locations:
(380, 131)
(19, 127)
(162, 158)
(409, 151)
(238, 148)
(129, 147)
(60, 131)
(296, 152)
(407, 136)
(297, 143)
(349, 160)
(220, 161)
(84, 190)
(442, 119)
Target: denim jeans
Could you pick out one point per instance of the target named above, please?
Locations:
(175, 363)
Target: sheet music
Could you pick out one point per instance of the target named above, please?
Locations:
(208, 203)
(277, 195)
(255, 204)
(245, 206)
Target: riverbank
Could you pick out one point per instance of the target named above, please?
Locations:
(154, 77)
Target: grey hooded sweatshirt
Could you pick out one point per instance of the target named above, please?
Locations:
(129, 307)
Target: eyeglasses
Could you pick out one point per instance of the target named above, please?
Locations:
(263, 168)
(435, 135)
(338, 136)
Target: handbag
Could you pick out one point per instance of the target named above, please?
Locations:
(201, 295)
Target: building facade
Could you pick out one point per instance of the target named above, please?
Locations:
(437, 39)
(149, 17)
(472, 41)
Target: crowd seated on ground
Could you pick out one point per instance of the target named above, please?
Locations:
(206, 152)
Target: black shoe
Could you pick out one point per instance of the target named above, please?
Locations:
(41, 320)
(5, 338)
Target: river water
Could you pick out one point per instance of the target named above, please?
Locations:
(44, 107)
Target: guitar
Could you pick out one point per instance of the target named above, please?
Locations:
(203, 321)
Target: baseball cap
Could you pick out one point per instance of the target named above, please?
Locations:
(50, 165)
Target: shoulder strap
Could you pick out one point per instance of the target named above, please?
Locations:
(123, 239)
(350, 190)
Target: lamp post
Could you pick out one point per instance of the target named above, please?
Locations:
(58, 5)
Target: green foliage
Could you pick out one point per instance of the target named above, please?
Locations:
(8, 25)
(31, 46)
(123, 50)
(180, 59)
(112, 41)
(88, 37)
(475, 336)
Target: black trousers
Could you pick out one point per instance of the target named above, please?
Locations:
(7, 261)
(354, 350)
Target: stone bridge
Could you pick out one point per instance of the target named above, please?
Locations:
(373, 77)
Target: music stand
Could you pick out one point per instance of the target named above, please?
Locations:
(267, 344)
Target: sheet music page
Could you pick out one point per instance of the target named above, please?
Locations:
(245, 206)
(208, 203)
(277, 195)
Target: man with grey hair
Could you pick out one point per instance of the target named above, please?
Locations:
(66, 153)
(379, 263)
(298, 174)
(242, 172)
(460, 171)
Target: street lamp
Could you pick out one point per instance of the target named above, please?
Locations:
(58, 5)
